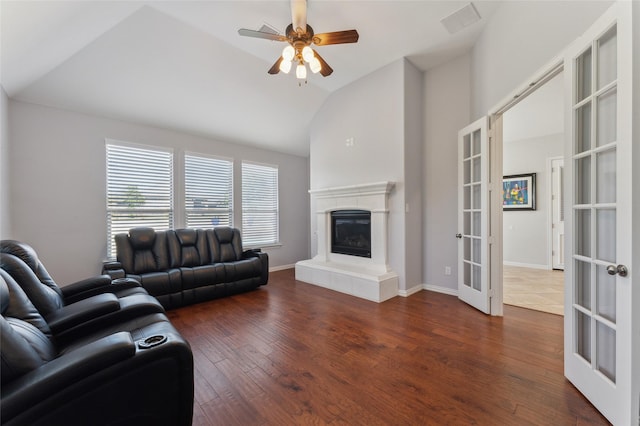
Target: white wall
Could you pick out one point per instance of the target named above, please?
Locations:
(5, 219)
(447, 91)
(526, 233)
(520, 38)
(58, 185)
(371, 110)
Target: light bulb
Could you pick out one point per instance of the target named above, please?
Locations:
(314, 65)
(307, 54)
(288, 53)
(301, 71)
(285, 66)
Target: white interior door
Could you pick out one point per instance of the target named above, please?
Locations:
(557, 213)
(599, 332)
(473, 215)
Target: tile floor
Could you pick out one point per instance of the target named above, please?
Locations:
(537, 289)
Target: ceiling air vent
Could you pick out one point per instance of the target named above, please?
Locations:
(460, 19)
(266, 28)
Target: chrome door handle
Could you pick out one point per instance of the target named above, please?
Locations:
(619, 269)
(458, 236)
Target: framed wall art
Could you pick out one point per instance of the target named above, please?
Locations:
(519, 192)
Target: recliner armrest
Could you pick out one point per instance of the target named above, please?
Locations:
(264, 261)
(114, 269)
(85, 285)
(96, 285)
(64, 371)
(82, 311)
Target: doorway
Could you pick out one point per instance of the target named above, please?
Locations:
(533, 138)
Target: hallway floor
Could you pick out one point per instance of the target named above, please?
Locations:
(537, 289)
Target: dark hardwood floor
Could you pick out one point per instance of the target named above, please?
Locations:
(295, 354)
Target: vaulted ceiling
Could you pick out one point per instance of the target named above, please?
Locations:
(182, 65)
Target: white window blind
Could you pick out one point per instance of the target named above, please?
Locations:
(208, 192)
(259, 204)
(139, 190)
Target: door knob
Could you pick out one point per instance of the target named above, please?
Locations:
(619, 269)
(458, 236)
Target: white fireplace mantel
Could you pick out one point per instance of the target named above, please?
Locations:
(369, 278)
(378, 188)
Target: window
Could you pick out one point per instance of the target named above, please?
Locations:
(208, 191)
(259, 204)
(139, 190)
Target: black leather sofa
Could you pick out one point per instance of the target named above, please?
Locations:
(125, 366)
(184, 266)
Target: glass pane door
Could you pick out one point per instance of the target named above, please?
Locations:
(601, 324)
(595, 207)
(473, 215)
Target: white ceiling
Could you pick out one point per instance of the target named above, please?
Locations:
(182, 65)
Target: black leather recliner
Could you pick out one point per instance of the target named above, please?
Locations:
(137, 373)
(69, 321)
(73, 292)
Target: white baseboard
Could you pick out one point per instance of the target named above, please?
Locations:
(281, 268)
(440, 289)
(527, 265)
(428, 287)
(409, 292)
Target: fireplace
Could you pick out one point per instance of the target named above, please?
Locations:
(356, 262)
(351, 232)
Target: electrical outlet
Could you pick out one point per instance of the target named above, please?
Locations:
(447, 270)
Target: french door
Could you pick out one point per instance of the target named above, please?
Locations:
(600, 334)
(474, 215)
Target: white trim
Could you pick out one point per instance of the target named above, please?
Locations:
(527, 265)
(550, 161)
(353, 190)
(411, 291)
(439, 289)
(121, 142)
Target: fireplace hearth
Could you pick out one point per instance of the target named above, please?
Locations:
(351, 232)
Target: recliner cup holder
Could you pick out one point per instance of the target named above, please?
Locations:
(152, 341)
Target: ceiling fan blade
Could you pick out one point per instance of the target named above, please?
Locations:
(261, 34)
(326, 70)
(275, 69)
(299, 14)
(337, 37)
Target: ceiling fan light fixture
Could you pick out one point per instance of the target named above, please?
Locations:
(301, 71)
(314, 65)
(307, 54)
(288, 53)
(285, 66)
(299, 36)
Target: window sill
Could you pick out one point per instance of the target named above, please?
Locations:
(261, 246)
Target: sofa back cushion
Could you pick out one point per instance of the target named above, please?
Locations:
(28, 255)
(46, 300)
(16, 304)
(225, 244)
(188, 247)
(23, 347)
(142, 250)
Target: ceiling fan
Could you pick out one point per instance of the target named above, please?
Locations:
(300, 37)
